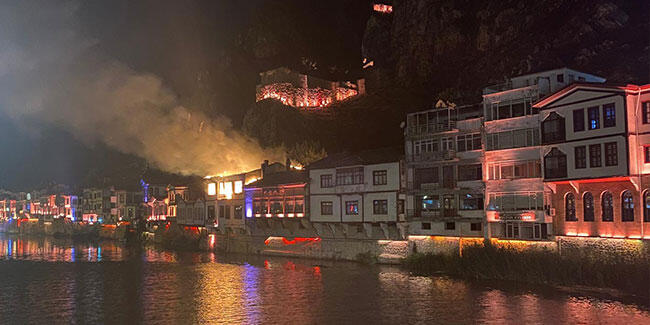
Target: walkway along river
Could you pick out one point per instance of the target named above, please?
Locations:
(42, 279)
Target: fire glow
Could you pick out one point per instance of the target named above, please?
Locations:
(382, 8)
(289, 95)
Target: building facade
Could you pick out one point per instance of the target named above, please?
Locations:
(444, 173)
(515, 196)
(596, 149)
(279, 194)
(225, 200)
(359, 190)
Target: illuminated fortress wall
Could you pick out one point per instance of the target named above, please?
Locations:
(302, 91)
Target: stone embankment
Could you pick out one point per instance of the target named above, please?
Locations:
(64, 228)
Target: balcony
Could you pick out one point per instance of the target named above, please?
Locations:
(431, 128)
(432, 156)
(434, 215)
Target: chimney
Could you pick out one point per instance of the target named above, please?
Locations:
(288, 164)
(265, 165)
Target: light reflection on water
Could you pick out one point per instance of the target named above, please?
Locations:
(46, 279)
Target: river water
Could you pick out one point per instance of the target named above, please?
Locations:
(46, 280)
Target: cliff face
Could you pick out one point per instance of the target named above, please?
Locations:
(465, 44)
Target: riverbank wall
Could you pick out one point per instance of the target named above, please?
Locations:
(62, 228)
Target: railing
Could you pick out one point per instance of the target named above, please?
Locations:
(433, 156)
(431, 128)
(432, 214)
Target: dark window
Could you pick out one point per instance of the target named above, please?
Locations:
(426, 175)
(570, 207)
(227, 211)
(607, 207)
(470, 172)
(221, 212)
(609, 115)
(594, 118)
(504, 111)
(288, 206)
(352, 207)
(560, 78)
(518, 109)
(349, 176)
(555, 164)
(588, 207)
(580, 155)
(646, 206)
(426, 226)
(326, 181)
(380, 206)
(211, 212)
(627, 206)
(611, 154)
(450, 225)
(326, 208)
(400, 206)
(239, 211)
(595, 159)
(379, 177)
(553, 128)
(646, 113)
(646, 151)
(475, 226)
(579, 120)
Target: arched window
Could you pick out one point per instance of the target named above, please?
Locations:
(588, 206)
(646, 206)
(607, 206)
(627, 206)
(570, 207)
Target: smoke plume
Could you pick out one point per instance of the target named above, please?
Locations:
(51, 73)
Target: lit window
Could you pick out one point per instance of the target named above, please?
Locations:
(594, 118)
(212, 189)
(352, 207)
(239, 187)
(225, 189)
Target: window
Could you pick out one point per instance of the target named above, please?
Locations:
(288, 206)
(553, 128)
(300, 206)
(227, 211)
(447, 144)
(646, 112)
(646, 206)
(450, 225)
(580, 156)
(555, 164)
(380, 206)
(221, 212)
(426, 226)
(513, 139)
(588, 207)
(516, 201)
(471, 202)
(470, 172)
(239, 211)
(379, 177)
(349, 176)
(326, 181)
(212, 189)
(211, 212)
(426, 176)
(400, 206)
(595, 159)
(326, 208)
(627, 206)
(239, 187)
(570, 207)
(607, 207)
(594, 118)
(428, 145)
(468, 142)
(517, 169)
(560, 78)
(475, 226)
(609, 115)
(611, 154)
(352, 207)
(428, 202)
(579, 120)
(646, 154)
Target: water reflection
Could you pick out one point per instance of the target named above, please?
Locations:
(42, 279)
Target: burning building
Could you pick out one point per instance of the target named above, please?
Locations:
(225, 201)
(305, 92)
(280, 193)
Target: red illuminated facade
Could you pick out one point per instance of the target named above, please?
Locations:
(302, 91)
(279, 194)
(596, 154)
